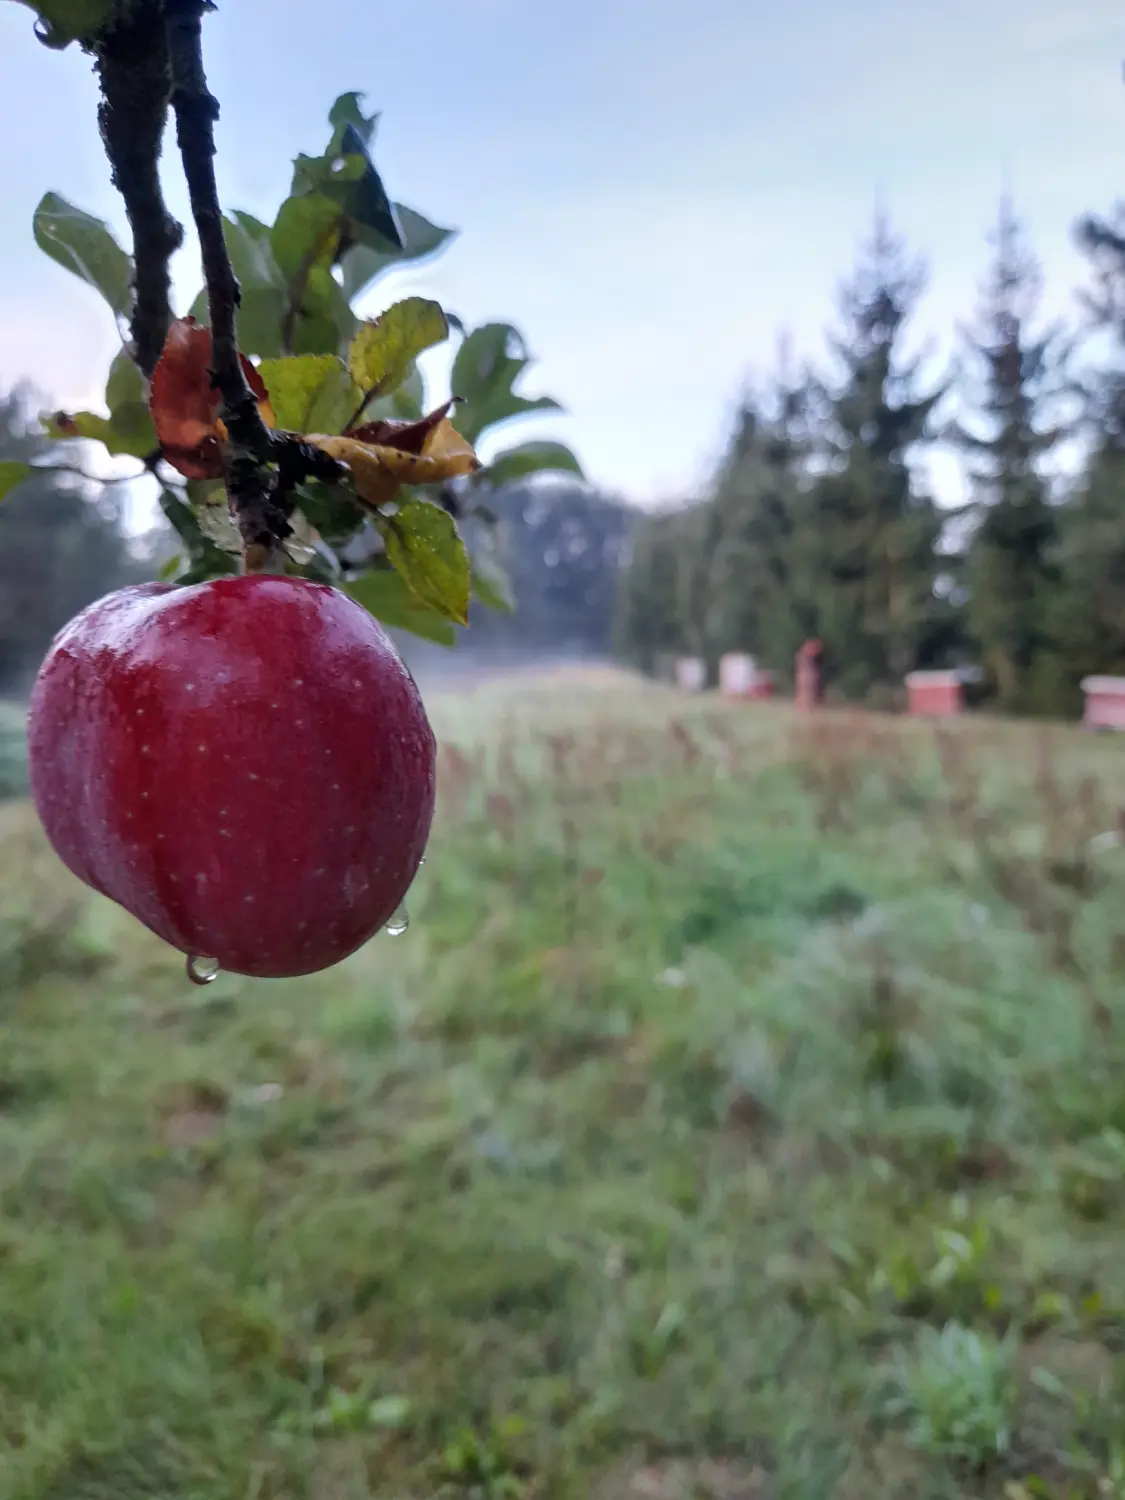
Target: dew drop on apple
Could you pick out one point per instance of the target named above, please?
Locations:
(202, 970)
(398, 923)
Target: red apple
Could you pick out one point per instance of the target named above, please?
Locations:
(245, 765)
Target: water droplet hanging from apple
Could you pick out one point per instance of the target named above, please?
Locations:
(202, 970)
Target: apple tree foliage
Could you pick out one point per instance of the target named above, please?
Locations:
(349, 386)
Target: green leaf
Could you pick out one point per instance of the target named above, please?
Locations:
(529, 458)
(406, 404)
(259, 320)
(11, 474)
(491, 583)
(264, 289)
(219, 527)
(488, 363)
(304, 241)
(386, 594)
(362, 263)
(205, 560)
(329, 509)
(475, 417)
(383, 352)
(128, 432)
(347, 175)
(261, 312)
(65, 21)
(126, 385)
(321, 567)
(347, 111)
(306, 233)
(493, 353)
(251, 253)
(85, 246)
(423, 545)
(324, 323)
(312, 393)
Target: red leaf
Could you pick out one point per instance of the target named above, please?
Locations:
(185, 405)
(407, 437)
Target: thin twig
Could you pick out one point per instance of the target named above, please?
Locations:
(132, 65)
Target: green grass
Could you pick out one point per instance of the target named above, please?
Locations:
(741, 1117)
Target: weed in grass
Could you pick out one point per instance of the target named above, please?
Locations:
(954, 1392)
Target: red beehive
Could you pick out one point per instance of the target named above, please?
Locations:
(808, 674)
(934, 695)
(1105, 702)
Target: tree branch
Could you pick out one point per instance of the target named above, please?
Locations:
(262, 526)
(132, 66)
(259, 495)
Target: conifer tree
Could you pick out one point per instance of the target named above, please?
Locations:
(1012, 569)
(875, 526)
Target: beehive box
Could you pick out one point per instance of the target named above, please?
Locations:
(934, 695)
(1105, 702)
(691, 674)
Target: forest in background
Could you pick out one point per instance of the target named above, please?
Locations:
(820, 520)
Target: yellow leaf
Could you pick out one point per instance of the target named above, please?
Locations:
(374, 483)
(446, 445)
(379, 469)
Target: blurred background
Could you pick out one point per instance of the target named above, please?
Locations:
(741, 1115)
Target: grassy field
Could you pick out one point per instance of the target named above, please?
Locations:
(741, 1118)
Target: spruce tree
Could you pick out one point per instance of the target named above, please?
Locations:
(649, 625)
(1094, 522)
(875, 527)
(763, 589)
(1013, 571)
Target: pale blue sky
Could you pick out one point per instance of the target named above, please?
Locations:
(651, 189)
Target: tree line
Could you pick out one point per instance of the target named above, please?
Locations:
(821, 521)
